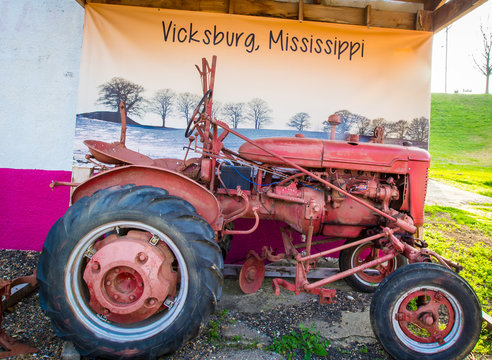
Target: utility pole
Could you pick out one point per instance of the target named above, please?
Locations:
(446, 64)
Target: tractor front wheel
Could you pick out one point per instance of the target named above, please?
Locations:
(130, 272)
(426, 311)
(369, 279)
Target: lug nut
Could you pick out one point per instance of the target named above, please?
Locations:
(117, 270)
(115, 296)
(106, 312)
(96, 266)
(142, 257)
(428, 319)
(151, 301)
(132, 297)
(108, 282)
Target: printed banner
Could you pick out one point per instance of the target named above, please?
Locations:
(274, 77)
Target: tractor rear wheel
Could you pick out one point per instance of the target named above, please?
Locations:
(369, 279)
(130, 272)
(426, 311)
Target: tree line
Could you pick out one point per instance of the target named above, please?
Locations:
(256, 112)
(165, 102)
(416, 129)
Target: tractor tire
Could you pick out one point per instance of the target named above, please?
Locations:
(426, 311)
(99, 227)
(366, 281)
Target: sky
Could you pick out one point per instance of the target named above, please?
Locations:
(464, 41)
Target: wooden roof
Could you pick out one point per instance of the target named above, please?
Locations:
(422, 15)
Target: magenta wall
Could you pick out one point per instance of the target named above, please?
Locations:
(28, 206)
(268, 233)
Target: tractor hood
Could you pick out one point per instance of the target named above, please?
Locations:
(318, 153)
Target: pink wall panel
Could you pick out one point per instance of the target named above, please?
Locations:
(28, 207)
(268, 233)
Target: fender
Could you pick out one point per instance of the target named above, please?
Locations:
(205, 203)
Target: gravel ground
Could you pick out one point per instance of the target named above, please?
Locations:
(26, 322)
(269, 317)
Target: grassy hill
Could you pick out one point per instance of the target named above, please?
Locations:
(461, 141)
(461, 129)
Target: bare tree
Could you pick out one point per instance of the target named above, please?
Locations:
(349, 122)
(117, 89)
(363, 125)
(398, 128)
(258, 112)
(418, 129)
(379, 122)
(216, 109)
(234, 113)
(484, 64)
(161, 103)
(186, 102)
(299, 121)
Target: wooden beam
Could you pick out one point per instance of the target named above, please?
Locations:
(393, 19)
(412, 1)
(424, 21)
(191, 5)
(452, 11)
(285, 10)
(334, 14)
(268, 8)
(358, 16)
(433, 4)
(232, 270)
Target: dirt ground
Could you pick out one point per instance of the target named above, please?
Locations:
(244, 325)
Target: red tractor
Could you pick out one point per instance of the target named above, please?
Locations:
(134, 268)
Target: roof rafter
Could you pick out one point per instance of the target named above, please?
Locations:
(452, 11)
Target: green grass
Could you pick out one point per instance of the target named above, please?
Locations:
(309, 341)
(481, 222)
(467, 177)
(461, 141)
(476, 258)
(214, 326)
(461, 129)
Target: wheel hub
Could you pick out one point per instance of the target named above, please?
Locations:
(426, 316)
(123, 284)
(129, 278)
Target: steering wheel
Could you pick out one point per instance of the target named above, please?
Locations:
(194, 119)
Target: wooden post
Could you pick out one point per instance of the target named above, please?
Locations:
(423, 21)
(368, 15)
(301, 10)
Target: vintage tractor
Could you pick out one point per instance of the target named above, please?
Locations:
(134, 268)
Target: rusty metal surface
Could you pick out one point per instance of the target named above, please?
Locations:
(204, 201)
(318, 153)
(251, 275)
(116, 153)
(427, 316)
(129, 278)
(10, 346)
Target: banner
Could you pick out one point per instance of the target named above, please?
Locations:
(274, 77)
